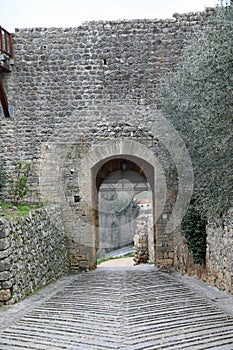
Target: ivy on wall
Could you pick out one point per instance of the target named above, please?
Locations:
(194, 230)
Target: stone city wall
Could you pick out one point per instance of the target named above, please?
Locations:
(92, 89)
(97, 82)
(74, 89)
(32, 253)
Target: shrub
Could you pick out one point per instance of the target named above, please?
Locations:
(18, 182)
(194, 230)
(198, 101)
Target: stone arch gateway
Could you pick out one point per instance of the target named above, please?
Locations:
(95, 96)
(80, 204)
(128, 150)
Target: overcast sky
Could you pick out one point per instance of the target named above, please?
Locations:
(71, 13)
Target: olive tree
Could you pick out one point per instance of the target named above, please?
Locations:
(198, 99)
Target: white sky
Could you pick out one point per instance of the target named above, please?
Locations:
(71, 13)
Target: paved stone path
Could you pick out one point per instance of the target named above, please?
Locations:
(118, 262)
(125, 308)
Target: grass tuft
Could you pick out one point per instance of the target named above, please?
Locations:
(11, 210)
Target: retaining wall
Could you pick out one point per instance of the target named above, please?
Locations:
(218, 270)
(32, 253)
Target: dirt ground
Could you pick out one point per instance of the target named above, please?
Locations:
(117, 262)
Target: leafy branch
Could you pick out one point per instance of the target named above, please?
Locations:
(197, 99)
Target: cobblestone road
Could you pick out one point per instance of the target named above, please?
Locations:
(123, 308)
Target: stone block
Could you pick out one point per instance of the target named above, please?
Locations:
(171, 255)
(165, 262)
(83, 264)
(4, 266)
(5, 253)
(7, 284)
(5, 295)
(4, 276)
(4, 243)
(80, 257)
(2, 232)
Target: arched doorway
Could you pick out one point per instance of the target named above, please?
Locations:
(77, 193)
(123, 193)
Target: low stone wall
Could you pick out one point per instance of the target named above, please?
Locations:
(183, 258)
(32, 253)
(219, 255)
(218, 270)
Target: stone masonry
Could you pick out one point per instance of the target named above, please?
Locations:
(141, 240)
(96, 82)
(83, 96)
(32, 253)
(218, 270)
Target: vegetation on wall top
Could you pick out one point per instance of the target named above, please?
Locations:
(18, 190)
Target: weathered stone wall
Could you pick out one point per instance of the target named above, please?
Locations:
(218, 270)
(219, 256)
(91, 88)
(89, 84)
(32, 253)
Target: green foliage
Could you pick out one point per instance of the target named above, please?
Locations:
(194, 230)
(24, 209)
(198, 100)
(18, 182)
(12, 210)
